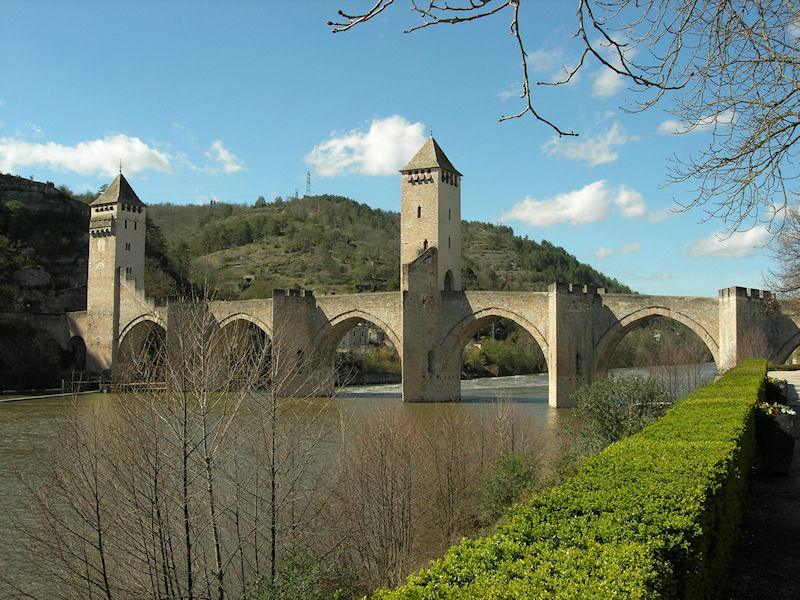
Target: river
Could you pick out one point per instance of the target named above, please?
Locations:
(29, 432)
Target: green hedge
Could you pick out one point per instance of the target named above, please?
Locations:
(652, 516)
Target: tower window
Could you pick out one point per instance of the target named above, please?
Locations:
(126, 223)
(127, 246)
(128, 270)
(134, 225)
(419, 212)
(448, 241)
(425, 245)
(448, 213)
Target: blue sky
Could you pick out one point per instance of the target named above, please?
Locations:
(235, 100)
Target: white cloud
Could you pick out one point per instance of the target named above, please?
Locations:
(629, 248)
(604, 252)
(580, 207)
(741, 244)
(676, 127)
(595, 150)
(607, 83)
(101, 157)
(515, 91)
(590, 204)
(657, 276)
(383, 150)
(540, 61)
(227, 159)
(632, 206)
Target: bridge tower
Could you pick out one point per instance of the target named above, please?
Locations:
(430, 213)
(430, 258)
(116, 254)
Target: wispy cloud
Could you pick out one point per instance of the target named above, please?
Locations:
(595, 150)
(740, 244)
(603, 252)
(100, 157)
(676, 127)
(592, 203)
(541, 61)
(229, 162)
(382, 150)
(515, 91)
(606, 83)
(657, 276)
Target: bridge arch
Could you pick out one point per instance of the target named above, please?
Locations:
(231, 319)
(449, 286)
(783, 353)
(455, 339)
(327, 337)
(143, 337)
(604, 348)
(76, 347)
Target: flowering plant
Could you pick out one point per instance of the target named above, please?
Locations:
(776, 409)
(775, 379)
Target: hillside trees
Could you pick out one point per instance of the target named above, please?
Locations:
(349, 247)
(727, 67)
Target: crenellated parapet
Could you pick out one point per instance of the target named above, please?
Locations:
(742, 292)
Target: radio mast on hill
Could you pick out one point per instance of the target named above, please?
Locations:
(308, 183)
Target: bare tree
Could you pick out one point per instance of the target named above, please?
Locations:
(192, 491)
(379, 492)
(678, 364)
(731, 65)
(451, 468)
(784, 279)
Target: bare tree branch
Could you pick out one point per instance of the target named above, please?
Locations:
(730, 67)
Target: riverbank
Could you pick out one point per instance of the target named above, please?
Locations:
(44, 396)
(764, 560)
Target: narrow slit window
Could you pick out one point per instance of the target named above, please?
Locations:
(419, 212)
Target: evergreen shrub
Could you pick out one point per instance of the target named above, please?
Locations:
(652, 516)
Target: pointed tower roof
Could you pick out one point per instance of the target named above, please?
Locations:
(430, 156)
(120, 191)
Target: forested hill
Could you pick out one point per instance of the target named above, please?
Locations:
(332, 244)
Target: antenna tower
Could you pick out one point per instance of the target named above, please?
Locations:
(308, 183)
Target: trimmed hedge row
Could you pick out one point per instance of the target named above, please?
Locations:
(652, 516)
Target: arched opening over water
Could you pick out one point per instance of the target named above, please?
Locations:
(662, 348)
(448, 281)
(248, 349)
(142, 351)
(362, 351)
(76, 350)
(492, 343)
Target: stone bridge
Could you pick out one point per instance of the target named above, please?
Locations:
(429, 320)
(577, 328)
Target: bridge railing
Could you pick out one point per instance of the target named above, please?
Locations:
(652, 516)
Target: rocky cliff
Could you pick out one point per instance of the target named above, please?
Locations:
(43, 247)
